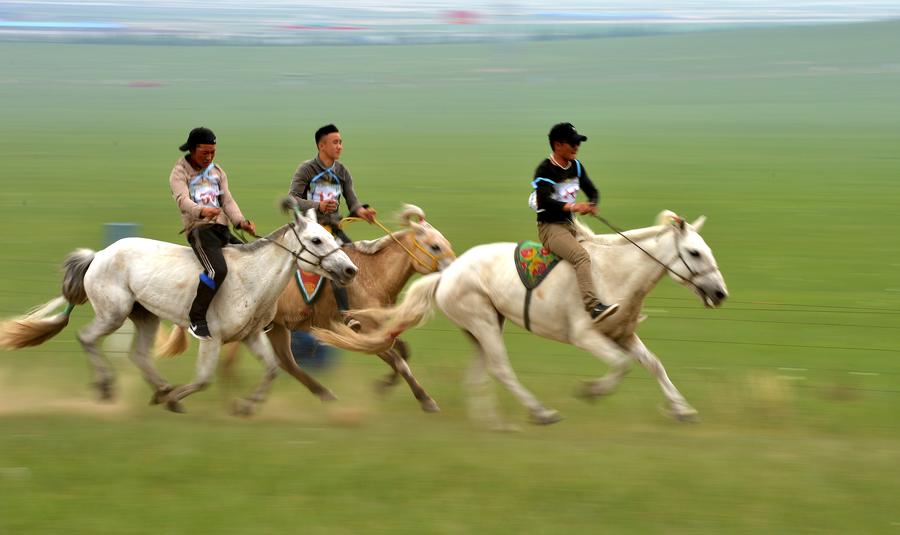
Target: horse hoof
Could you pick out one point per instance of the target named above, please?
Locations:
(429, 405)
(589, 392)
(175, 406)
(585, 393)
(327, 395)
(243, 407)
(160, 395)
(684, 415)
(505, 427)
(105, 390)
(687, 417)
(383, 386)
(546, 417)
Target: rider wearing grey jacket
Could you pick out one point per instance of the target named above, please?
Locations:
(320, 183)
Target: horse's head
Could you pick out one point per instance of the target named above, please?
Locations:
(318, 251)
(694, 265)
(431, 250)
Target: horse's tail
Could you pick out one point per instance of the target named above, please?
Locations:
(38, 325)
(389, 323)
(74, 267)
(172, 345)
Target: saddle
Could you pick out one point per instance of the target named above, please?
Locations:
(533, 263)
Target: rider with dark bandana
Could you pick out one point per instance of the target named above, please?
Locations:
(200, 188)
(557, 181)
(320, 183)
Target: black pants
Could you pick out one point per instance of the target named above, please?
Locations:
(340, 293)
(207, 242)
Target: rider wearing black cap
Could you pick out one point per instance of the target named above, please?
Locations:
(200, 188)
(557, 181)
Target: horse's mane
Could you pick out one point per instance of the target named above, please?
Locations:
(249, 247)
(404, 217)
(584, 233)
(373, 246)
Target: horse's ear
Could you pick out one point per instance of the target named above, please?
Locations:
(408, 212)
(288, 204)
(698, 223)
(667, 217)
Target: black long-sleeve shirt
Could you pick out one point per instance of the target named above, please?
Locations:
(549, 178)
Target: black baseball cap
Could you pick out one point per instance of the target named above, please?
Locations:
(198, 136)
(565, 133)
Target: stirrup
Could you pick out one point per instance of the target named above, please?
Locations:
(352, 322)
(600, 311)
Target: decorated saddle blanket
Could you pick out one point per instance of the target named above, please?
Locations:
(534, 262)
(309, 284)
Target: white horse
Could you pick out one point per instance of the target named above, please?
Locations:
(481, 288)
(148, 280)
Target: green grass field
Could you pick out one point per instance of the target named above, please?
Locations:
(786, 139)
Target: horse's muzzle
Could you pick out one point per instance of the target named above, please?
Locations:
(344, 276)
(713, 297)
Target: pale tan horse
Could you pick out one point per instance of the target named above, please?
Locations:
(148, 280)
(481, 289)
(385, 266)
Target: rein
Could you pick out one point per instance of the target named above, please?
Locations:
(689, 280)
(412, 255)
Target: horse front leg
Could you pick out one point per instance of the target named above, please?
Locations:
(608, 351)
(259, 345)
(396, 361)
(679, 408)
(207, 359)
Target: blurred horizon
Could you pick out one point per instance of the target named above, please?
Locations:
(283, 22)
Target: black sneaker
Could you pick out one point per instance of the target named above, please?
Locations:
(200, 330)
(269, 326)
(600, 312)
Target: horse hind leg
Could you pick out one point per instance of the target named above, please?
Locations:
(488, 332)
(482, 402)
(146, 325)
(105, 322)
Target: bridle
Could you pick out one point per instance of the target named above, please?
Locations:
(298, 254)
(678, 256)
(434, 259)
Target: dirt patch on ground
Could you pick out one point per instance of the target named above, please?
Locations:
(16, 399)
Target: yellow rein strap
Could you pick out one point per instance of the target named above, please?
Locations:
(389, 233)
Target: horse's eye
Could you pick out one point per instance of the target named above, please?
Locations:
(695, 254)
(317, 241)
(436, 248)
